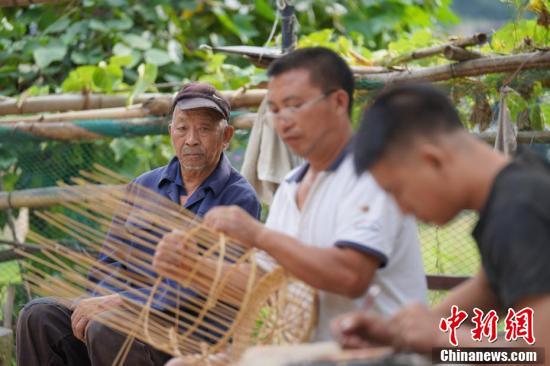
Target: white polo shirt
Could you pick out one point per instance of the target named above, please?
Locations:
(347, 211)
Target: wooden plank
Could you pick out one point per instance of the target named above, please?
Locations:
(442, 282)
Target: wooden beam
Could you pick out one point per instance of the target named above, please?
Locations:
(442, 282)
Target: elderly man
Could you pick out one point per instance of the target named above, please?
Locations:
(413, 142)
(199, 177)
(333, 230)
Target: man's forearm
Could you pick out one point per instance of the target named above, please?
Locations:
(473, 293)
(323, 268)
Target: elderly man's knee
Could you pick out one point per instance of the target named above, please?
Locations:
(37, 312)
(177, 362)
(96, 332)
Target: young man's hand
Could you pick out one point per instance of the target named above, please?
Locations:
(85, 309)
(416, 328)
(360, 330)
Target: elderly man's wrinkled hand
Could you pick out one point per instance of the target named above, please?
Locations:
(360, 330)
(85, 309)
(236, 223)
(175, 255)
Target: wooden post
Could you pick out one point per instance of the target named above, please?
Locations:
(8, 306)
(6, 346)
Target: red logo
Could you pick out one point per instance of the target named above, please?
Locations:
(517, 324)
(485, 326)
(520, 325)
(452, 323)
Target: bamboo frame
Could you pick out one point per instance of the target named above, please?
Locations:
(367, 78)
(485, 65)
(240, 98)
(94, 129)
(230, 292)
(474, 40)
(8, 3)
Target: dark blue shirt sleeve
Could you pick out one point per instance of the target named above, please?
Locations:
(249, 203)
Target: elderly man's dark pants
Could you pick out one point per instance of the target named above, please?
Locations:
(45, 338)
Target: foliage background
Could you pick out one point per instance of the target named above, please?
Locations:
(129, 46)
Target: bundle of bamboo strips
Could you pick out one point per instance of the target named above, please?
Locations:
(218, 300)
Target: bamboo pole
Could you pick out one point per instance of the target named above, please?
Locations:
(455, 53)
(241, 98)
(8, 3)
(474, 40)
(43, 197)
(134, 111)
(485, 65)
(523, 137)
(84, 130)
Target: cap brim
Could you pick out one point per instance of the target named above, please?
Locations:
(194, 103)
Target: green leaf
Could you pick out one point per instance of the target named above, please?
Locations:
(121, 147)
(120, 24)
(135, 41)
(36, 90)
(58, 26)
(511, 36)
(106, 78)
(71, 34)
(516, 104)
(226, 21)
(264, 9)
(535, 116)
(545, 113)
(121, 61)
(79, 79)
(98, 25)
(147, 76)
(157, 57)
(419, 39)
(53, 51)
(121, 49)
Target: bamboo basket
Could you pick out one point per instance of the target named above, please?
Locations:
(220, 300)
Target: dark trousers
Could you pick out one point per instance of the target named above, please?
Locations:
(45, 338)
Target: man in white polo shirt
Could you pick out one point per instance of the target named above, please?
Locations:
(331, 229)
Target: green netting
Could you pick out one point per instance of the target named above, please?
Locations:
(446, 250)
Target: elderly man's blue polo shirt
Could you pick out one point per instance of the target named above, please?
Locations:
(225, 186)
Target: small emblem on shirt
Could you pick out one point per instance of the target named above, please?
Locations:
(365, 208)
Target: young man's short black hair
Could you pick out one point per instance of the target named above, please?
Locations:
(397, 116)
(327, 70)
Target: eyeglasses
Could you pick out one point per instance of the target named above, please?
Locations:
(293, 109)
